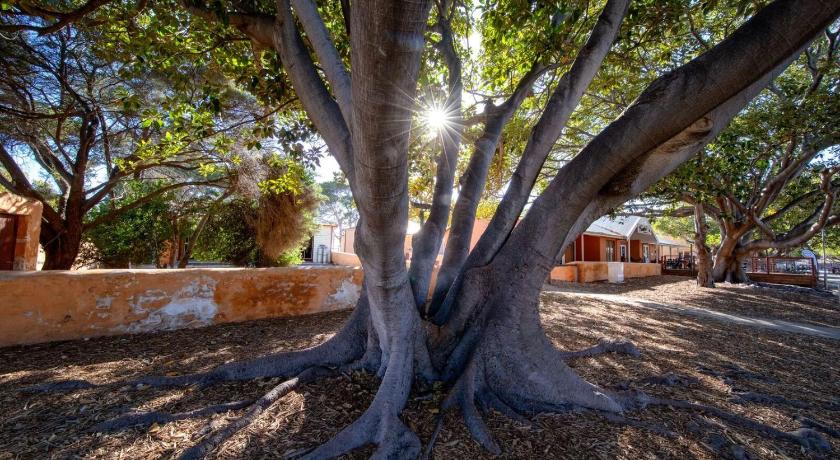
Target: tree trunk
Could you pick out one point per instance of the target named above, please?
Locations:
(729, 268)
(704, 257)
(62, 249)
(490, 349)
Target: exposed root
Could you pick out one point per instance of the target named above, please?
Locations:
(652, 427)
(377, 426)
(464, 395)
(64, 385)
(149, 418)
(805, 437)
(742, 397)
(603, 347)
(819, 426)
(217, 438)
(427, 453)
(733, 372)
(669, 379)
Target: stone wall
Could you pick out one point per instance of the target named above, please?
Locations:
(64, 305)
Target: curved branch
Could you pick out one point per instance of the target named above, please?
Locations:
(562, 103)
(310, 89)
(426, 243)
(257, 27)
(474, 179)
(328, 57)
(105, 218)
(548, 129)
(63, 19)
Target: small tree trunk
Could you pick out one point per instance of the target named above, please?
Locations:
(61, 250)
(704, 258)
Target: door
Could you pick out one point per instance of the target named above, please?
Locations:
(624, 253)
(8, 238)
(610, 251)
(306, 254)
(645, 253)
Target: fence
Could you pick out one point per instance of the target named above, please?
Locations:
(680, 266)
(798, 271)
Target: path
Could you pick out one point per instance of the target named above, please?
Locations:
(775, 324)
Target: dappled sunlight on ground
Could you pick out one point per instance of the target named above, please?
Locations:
(798, 305)
(803, 369)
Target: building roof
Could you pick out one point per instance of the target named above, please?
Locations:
(668, 240)
(622, 226)
(602, 230)
(626, 227)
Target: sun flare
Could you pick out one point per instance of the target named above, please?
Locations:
(436, 119)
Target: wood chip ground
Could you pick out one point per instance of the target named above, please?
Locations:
(798, 367)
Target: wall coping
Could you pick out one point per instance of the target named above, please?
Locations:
(162, 271)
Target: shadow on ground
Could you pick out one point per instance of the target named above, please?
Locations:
(714, 361)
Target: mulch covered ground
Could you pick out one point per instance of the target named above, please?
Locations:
(711, 360)
(767, 301)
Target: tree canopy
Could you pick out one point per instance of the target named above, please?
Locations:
(553, 112)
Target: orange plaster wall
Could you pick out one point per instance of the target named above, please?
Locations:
(64, 305)
(564, 273)
(641, 270)
(592, 271)
(588, 272)
(347, 259)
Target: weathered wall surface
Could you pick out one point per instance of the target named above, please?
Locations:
(566, 273)
(587, 272)
(347, 259)
(640, 270)
(46, 306)
(29, 228)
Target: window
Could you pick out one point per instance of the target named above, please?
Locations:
(623, 253)
(645, 253)
(610, 251)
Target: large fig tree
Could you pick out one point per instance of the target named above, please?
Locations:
(480, 334)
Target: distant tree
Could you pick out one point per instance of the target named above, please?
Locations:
(229, 236)
(270, 218)
(770, 181)
(337, 206)
(88, 125)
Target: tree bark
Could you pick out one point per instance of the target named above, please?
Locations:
(704, 257)
(425, 244)
(729, 267)
(61, 248)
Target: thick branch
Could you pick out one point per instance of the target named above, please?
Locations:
(426, 243)
(563, 102)
(21, 186)
(474, 179)
(110, 216)
(328, 56)
(257, 27)
(319, 105)
(63, 19)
